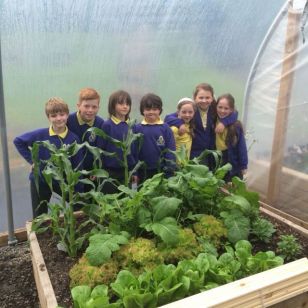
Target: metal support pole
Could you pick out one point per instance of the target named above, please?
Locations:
(6, 170)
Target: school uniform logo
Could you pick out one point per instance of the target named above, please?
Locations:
(92, 137)
(160, 141)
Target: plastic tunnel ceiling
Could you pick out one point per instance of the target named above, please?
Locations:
(55, 48)
(276, 114)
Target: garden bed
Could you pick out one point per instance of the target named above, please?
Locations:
(53, 285)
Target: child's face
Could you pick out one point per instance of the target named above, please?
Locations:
(88, 109)
(122, 110)
(223, 108)
(58, 121)
(186, 113)
(151, 115)
(204, 99)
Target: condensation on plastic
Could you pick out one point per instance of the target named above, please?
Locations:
(56, 47)
(261, 103)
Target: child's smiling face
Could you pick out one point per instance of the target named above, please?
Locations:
(186, 113)
(223, 108)
(88, 109)
(204, 99)
(58, 121)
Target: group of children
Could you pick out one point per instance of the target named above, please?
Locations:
(198, 124)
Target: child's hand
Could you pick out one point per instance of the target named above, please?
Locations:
(135, 179)
(219, 128)
(182, 130)
(244, 173)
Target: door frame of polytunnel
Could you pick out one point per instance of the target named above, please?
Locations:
(6, 169)
(286, 82)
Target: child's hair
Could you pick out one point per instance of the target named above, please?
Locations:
(205, 87)
(231, 137)
(149, 101)
(119, 97)
(88, 93)
(55, 105)
(229, 98)
(184, 101)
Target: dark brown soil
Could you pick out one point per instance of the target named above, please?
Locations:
(17, 287)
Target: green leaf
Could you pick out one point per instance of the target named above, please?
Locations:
(100, 290)
(167, 230)
(237, 224)
(164, 207)
(147, 300)
(80, 295)
(125, 280)
(237, 202)
(222, 171)
(101, 247)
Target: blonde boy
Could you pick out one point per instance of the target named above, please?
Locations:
(57, 133)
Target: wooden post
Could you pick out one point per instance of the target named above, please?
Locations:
(282, 110)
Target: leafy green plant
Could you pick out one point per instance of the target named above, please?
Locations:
(210, 228)
(263, 229)
(129, 141)
(186, 248)
(83, 273)
(101, 247)
(59, 168)
(84, 297)
(138, 254)
(158, 218)
(288, 247)
(237, 224)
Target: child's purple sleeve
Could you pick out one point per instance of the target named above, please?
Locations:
(173, 120)
(22, 144)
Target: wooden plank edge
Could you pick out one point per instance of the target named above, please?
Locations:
(43, 284)
(20, 234)
(292, 225)
(260, 290)
(285, 215)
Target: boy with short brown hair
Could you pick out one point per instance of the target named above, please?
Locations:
(58, 134)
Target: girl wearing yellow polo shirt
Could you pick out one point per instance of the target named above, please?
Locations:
(185, 111)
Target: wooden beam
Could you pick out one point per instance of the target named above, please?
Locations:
(20, 234)
(282, 109)
(283, 217)
(43, 284)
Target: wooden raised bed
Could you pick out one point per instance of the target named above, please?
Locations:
(284, 286)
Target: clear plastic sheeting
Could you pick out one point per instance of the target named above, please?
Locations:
(56, 47)
(276, 114)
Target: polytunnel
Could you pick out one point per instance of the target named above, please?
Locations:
(55, 48)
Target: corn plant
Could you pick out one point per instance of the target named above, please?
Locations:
(126, 145)
(59, 170)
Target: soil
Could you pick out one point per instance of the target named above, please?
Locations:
(17, 286)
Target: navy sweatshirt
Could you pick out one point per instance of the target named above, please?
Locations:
(116, 130)
(74, 126)
(24, 141)
(157, 139)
